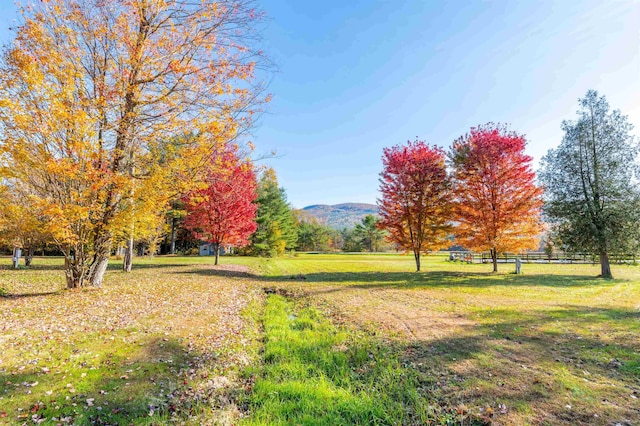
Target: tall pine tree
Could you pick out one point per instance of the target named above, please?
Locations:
(276, 224)
(368, 233)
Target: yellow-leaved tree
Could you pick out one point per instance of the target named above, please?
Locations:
(100, 97)
(19, 226)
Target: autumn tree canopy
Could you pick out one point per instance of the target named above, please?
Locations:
(496, 202)
(415, 205)
(224, 211)
(98, 97)
(591, 190)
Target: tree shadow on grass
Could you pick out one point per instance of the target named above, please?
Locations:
(428, 279)
(225, 273)
(114, 265)
(523, 361)
(28, 295)
(451, 279)
(117, 265)
(142, 383)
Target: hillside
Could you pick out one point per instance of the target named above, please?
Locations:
(341, 216)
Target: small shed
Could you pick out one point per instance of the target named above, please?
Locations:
(207, 249)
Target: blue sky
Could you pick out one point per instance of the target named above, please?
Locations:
(357, 76)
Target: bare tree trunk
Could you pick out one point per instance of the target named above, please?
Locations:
(127, 263)
(74, 270)
(97, 270)
(128, 255)
(28, 255)
(217, 248)
(102, 249)
(605, 267)
(172, 249)
(416, 255)
(494, 259)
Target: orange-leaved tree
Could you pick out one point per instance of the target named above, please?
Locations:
(224, 211)
(415, 206)
(99, 96)
(497, 204)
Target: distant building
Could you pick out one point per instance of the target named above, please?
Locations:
(206, 249)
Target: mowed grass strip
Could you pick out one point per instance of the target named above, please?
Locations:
(162, 344)
(320, 374)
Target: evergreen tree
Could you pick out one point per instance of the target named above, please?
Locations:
(350, 242)
(313, 237)
(276, 224)
(591, 193)
(368, 233)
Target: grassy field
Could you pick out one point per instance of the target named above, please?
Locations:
(341, 339)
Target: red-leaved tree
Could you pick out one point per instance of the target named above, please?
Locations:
(497, 204)
(224, 211)
(415, 205)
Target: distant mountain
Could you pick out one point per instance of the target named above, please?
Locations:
(341, 216)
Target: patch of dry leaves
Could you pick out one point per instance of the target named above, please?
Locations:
(188, 304)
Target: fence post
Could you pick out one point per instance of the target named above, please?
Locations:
(16, 257)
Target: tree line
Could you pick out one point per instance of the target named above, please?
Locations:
(484, 191)
(273, 226)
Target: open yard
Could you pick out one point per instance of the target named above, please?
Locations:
(336, 339)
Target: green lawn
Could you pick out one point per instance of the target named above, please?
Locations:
(345, 339)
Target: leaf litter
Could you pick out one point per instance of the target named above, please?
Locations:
(178, 323)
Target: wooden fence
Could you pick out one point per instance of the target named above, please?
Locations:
(540, 257)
